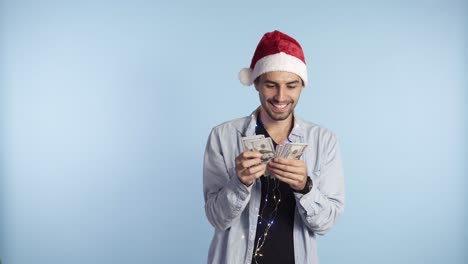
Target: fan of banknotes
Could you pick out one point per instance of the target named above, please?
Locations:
(265, 146)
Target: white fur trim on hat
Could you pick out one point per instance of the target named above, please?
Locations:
(245, 76)
(279, 62)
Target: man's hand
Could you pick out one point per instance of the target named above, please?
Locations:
(292, 172)
(249, 167)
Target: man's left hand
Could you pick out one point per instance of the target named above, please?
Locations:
(292, 172)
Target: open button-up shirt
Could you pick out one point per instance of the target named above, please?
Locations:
(232, 208)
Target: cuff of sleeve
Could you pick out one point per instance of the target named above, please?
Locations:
(310, 200)
(238, 187)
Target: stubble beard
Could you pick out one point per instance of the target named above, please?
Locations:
(279, 116)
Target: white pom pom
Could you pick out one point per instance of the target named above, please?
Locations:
(245, 76)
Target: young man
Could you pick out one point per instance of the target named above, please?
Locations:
(270, 212)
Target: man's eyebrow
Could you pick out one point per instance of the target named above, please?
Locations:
(293, 82)
(270, 81)
(289, 83)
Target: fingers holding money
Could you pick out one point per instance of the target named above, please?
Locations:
(247, 159)
(249, 167)
(292, 172)
(288, 165)
(256, 147)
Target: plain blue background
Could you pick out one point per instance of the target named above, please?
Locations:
(106, 107)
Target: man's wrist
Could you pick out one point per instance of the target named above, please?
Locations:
(307, 187)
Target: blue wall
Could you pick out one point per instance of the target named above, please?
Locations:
(106, 107)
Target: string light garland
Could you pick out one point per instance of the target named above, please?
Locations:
(271, 218)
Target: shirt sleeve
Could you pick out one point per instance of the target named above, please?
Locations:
(321, 207)
(225, 195)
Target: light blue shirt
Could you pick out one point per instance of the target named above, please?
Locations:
(232, 208)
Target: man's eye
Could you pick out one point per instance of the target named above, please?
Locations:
(292, 86)
(270, 86)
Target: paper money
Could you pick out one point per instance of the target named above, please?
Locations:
(265, 146)
(261, 144)
(294, 151)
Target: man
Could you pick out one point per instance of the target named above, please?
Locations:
(272, 219)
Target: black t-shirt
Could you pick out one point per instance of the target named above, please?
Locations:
(278, 245)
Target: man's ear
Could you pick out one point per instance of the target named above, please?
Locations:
(257, 83)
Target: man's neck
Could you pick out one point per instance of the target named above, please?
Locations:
(278, 129)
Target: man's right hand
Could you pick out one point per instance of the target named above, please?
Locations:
(249, 167)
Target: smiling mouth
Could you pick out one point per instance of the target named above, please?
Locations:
(279, 107)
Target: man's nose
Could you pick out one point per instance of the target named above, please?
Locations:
(280, 94)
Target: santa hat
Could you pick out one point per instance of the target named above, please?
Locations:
(276, 51)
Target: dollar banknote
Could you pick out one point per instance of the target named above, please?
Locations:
(261, 144)
(265, 146)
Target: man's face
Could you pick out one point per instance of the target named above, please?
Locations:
(279, 93)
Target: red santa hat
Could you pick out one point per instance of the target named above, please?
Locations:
(276, 51)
